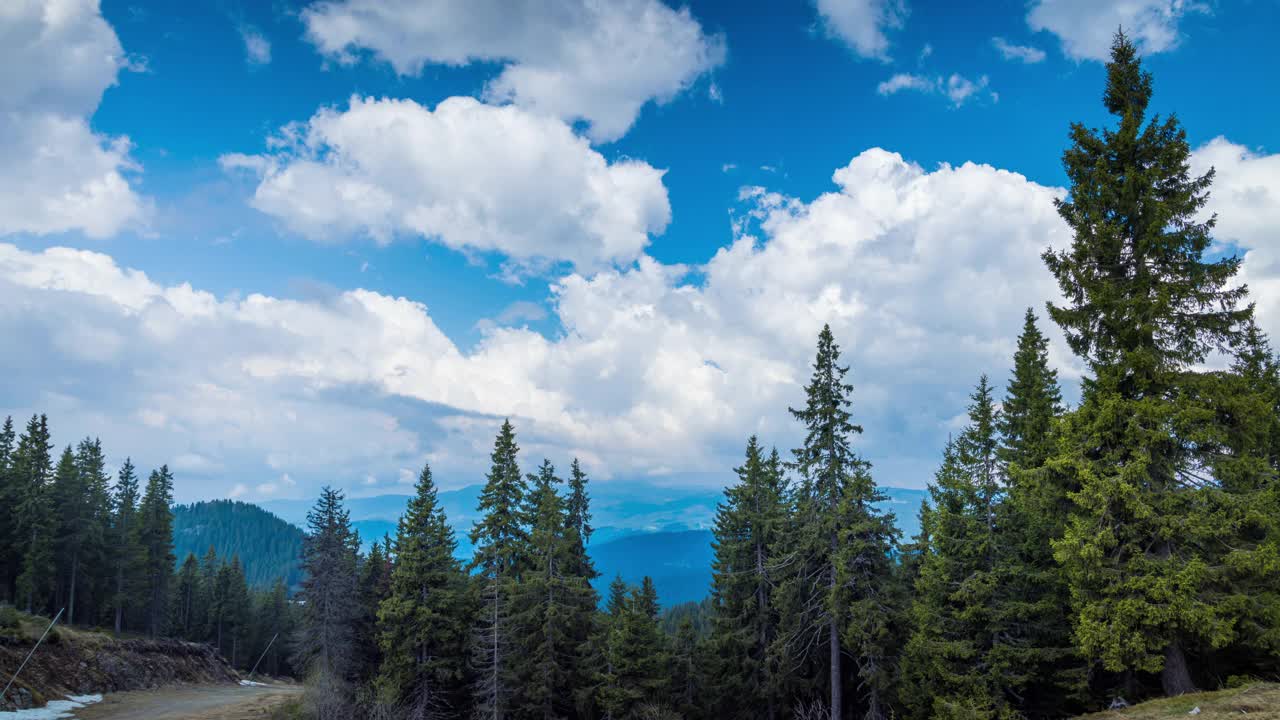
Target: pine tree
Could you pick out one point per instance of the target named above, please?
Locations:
(95, 552)
(423, 623)
(34, 521)
(275, 623)
(549, 599)
(952, 651)
(156, 538)
(839, 545)
(747, 528)
(186, 622)
(125, 548)
(67, 506)
(688, 675)
(374, 586)
(580, 572)
(326, 642)
(1041, 671)
(79, 496)
(209, 600)
(500, 540)
(636, 653)
(8, 509)
(237, 607)
(1143, 309)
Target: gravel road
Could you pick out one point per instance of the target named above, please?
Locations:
(191, 702)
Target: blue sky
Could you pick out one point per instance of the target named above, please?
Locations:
(343, 238)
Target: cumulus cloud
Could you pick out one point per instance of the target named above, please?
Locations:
(1245, 196)
(957, 88)
(922, 274)
(1021, 53)
(59, 56)
(471, 176)
(861, 24)
(1085, 27)
(599, 62)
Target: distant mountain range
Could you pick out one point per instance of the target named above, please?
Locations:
(641, 529)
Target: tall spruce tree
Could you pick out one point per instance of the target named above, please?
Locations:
(840, 543)
(34, 520)
(186, 622)
(326, 642)
(155, 534)
(126, 552)
(236, 610)
(500, 540)
(1143, 308)
(1041, 671)
(423, 624)
(580, 573)
(545, 604)
(8, 509)
(374, 586)
(637, 656)
(748, 525)
(952, 654)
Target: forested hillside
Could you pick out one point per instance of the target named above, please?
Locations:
(269, 548)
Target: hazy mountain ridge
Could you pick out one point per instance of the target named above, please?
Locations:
(660, 531)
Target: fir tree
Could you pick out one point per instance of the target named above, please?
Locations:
(500, 540)
(636, 653)
(275, 623)
(8, 509)
(236, 609)
(374, 586)
(326, 643)
(545, 603)
(126, 554)
(155, 534)
(34, 521)
(688, 674)
(840, 543)
(1041, 672)
(423, 622)
(187, 622)
(953, 650)
(747, 529)
(1143, 309)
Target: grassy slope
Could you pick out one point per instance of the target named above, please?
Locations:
(1260, 701)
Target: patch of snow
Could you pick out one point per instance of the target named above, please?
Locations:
(250, 683)
(54, 710)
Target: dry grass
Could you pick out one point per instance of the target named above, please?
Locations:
(1260, 701)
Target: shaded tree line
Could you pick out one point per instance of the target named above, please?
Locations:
(73, 539)
(101, 549)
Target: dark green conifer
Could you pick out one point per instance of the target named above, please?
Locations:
(500, 538)
(155, 535)
(126, 552)
(1144, 307)
(424, 622)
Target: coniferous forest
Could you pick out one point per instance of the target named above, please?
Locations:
(1127, 546)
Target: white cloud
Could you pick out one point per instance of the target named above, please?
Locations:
(957, 88)
(59, 56)
(923, 276)
(472, 176)
(1021, 53)
(1085, 27)
(1246, 198)
(861, 24)
(257, 48)
(599, 62)
(906, 81)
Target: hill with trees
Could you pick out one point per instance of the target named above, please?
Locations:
(269, 548)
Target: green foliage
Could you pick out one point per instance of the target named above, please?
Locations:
(155, 535)
(1153, 544)
(423, 623)
(269, 547)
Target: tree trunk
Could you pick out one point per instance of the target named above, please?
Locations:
(1176, 677)
(71, 603)
(837, 697)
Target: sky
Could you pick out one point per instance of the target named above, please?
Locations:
(289, 244)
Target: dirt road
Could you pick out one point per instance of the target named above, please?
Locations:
(191, 702)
